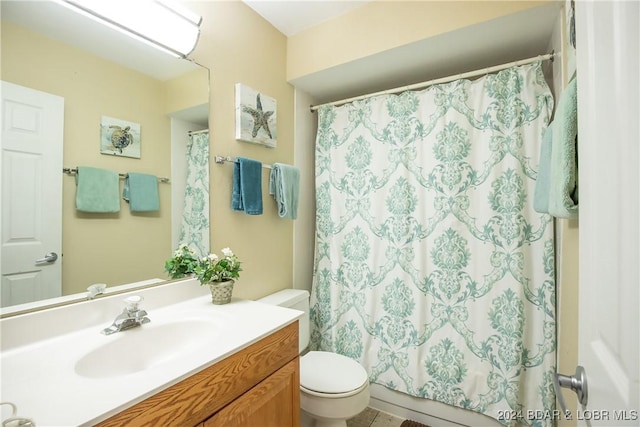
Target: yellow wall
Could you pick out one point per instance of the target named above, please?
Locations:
(106, 248)
(239, 46)
(382, 25)
(567, 234)
(187, 91)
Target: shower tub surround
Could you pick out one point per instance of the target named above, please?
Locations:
(60, 370)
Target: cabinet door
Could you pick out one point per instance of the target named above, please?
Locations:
(274, 402)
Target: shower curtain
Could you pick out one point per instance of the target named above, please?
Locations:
(432, 268)
(194, 229)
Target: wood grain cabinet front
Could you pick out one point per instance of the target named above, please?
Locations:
(275, 402)
(257, 386)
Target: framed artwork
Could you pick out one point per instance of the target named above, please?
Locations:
(119, 137)
(256, 120)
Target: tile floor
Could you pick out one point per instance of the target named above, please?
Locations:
(373, 418)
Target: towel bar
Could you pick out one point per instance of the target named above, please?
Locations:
(73, 171)
(221, 160)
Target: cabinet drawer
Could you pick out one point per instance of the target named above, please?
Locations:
(196, 398)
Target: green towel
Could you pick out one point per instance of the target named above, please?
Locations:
(541, 194)
(563, 171)
(98, 190)
(141, 191)
(284, 185)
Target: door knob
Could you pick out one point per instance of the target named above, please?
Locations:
(49, 258)
(576, 382)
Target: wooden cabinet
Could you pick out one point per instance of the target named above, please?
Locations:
(257, 386)
(275, 402)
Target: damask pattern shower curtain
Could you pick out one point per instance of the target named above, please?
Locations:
(432, 268)
(194, 229)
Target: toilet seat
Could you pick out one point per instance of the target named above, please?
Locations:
(329, 374)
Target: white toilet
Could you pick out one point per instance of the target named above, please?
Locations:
(333, 388)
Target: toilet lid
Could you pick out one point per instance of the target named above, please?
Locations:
(326, 372)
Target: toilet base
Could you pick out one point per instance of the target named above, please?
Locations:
(307, 420)
(332, 411)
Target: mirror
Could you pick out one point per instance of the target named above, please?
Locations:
(102, 73)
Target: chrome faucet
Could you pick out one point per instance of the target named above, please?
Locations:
(131, 317)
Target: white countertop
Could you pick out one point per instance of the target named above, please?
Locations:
(40, 375)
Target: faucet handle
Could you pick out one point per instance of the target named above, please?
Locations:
(132, 302)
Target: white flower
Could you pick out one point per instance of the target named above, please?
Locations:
(211, 268)
(227, 252)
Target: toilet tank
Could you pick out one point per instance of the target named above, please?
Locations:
(297, 299)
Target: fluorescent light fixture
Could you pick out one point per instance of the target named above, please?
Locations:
(164, 24)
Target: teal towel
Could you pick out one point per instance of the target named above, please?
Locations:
(97, 190)
(247, 186)
(563, 173)
(284, 185)
(541, 194)
(141, 191)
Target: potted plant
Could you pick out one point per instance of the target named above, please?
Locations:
(219, 274)
(183, 263)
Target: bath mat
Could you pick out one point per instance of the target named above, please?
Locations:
(411, 423)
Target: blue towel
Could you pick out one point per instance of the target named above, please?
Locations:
(541, 194)
(247, 186)
(98, 190)
(141, 191)
(563, 173)
(284, 185)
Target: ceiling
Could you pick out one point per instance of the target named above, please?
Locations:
(291, 17)
(501, 40)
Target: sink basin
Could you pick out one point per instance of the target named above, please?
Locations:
(145, 347)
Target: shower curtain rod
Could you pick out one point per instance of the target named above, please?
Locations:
(442, 80)
(195, 132)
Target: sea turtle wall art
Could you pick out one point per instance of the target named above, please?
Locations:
(119, 137)
(256, 119)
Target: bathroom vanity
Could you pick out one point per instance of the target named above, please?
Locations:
(193, 364)
(258, 385)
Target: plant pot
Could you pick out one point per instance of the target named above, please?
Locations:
(221, 291)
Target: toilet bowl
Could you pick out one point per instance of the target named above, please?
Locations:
(333, 387)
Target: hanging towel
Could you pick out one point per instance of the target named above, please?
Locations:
(541, 194)
(563, 171)
(97, 190)
(284, 185)
(247, 186)
(141, 191)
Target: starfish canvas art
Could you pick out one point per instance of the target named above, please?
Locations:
(255, 117)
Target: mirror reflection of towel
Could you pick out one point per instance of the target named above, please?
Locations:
(141, 191)
(98, 190)
(284, 184)
(247, 186)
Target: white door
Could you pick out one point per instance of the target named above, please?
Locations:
(32, 134)
(608, 52)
